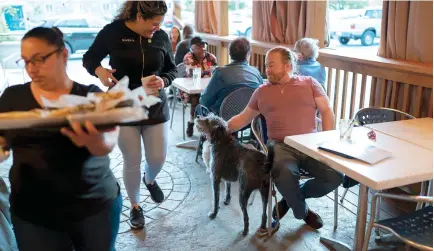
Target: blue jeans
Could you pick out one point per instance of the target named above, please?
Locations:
(286, 176)
(96, 232)
(154, 139)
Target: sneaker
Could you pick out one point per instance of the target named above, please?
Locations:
(189, 130)
(283, 209)
(137, 219)
(313, 220)
(156, 194)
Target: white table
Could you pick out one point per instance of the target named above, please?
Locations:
(409, 164)
(186, 85)
(416, 131)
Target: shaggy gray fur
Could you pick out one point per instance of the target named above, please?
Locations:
(231, 161)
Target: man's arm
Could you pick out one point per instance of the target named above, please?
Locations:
(326, 112)
(241, 120)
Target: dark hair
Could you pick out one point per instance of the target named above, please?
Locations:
(187, 32)
(52, 36)
(146, 9)
(239, 49)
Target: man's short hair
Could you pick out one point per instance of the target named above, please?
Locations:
(239, 49)
(287, 56)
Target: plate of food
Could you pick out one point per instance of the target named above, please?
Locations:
(116, 107)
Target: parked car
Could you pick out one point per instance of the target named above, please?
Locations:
(365, 27)
(79, 32)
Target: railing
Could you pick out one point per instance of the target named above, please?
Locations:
(357, 81)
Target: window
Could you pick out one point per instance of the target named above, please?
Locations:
(355, 26)
(187, 12)
(240, 17)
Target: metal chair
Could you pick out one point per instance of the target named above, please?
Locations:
(414, 229)
(372, 115)
(259, 129)
(181, 74)
(232, 105)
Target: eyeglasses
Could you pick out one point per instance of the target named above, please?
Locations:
(36, 61)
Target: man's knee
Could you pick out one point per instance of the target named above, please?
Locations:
(284, 170)
(334, 179)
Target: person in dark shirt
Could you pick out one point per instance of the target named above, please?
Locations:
(138, 48)
(63, 193)
(184, 46)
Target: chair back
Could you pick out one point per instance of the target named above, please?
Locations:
(259, 129)
(372, 115)
(235, 102)
(181, 68)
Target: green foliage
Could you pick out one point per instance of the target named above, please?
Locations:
(347, 4)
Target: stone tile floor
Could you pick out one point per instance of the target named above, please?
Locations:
(181, 222)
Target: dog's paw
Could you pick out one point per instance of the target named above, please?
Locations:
(245, 232)
(227, 201)
(212, 215)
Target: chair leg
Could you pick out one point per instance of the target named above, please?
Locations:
(377, 218)
(175, 100)
(183, 121)
(343, 195)
(335, 224)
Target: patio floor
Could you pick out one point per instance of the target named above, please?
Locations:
(181, 221)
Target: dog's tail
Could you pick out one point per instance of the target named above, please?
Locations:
(270, 157)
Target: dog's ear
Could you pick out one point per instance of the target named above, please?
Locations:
(218, 132)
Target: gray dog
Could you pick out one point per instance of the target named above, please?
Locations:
(231, 161)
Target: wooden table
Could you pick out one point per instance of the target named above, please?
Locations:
(186, 85)
(410, 163)
(416, 131)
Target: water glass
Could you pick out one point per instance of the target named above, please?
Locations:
(345, 128)
(196, 75)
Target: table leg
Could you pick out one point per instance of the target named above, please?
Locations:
(362, 208)
(174, 100)
(359, 235)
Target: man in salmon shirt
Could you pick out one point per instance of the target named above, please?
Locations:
(289, 104)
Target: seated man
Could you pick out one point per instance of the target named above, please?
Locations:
(289, 104)
(232, 76)
(198, 57)
(308, 51)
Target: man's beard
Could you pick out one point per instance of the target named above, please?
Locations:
(275, 78)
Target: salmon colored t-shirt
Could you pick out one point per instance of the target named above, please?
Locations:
(289, 113)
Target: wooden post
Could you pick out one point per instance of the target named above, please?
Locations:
(222, 7)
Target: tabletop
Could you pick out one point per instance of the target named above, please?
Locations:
(186, 85)
(416, 131)
(408, 164)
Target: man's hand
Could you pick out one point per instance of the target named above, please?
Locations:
(326, 112)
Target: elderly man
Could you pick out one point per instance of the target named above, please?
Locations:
(184, 46)
(308, 51)
(289, 104)
(232, 76)
(198, 57)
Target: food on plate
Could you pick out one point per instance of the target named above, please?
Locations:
(36, 113)
(104, 96)
(63, 112)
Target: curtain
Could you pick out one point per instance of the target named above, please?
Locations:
(407, 34)
(286, 22)
(206, 16)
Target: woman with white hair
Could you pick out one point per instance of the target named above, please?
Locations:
(308, 52)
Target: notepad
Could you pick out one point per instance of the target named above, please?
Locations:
(362, 150)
